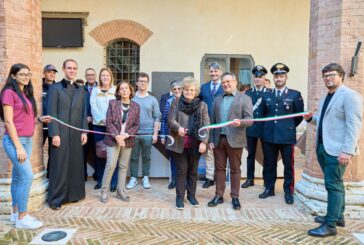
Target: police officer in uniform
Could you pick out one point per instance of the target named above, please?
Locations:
(255, 132)
(280, 135)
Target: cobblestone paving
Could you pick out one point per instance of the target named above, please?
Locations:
(151, 218)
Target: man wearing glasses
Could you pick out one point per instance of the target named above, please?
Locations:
(149, 125)
(91, 83)
(338, 121)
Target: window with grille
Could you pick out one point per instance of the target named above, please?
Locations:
(122, 57)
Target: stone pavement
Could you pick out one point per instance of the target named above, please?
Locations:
(151, 218)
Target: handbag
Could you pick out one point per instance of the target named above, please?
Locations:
(100, 149)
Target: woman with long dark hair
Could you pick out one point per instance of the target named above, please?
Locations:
(18, 110)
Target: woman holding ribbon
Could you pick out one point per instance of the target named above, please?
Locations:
(18, 110)
(187, 115)
(122, 120)
(99, 102)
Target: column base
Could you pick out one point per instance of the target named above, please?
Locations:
(311, 193)
(37, 196)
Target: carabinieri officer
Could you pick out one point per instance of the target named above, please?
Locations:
(255, 132)
(280, 135)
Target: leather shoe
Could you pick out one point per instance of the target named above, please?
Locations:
(172, 185)
(323, 231)
(55, 207)
(208, 183)
(266, 193)
(248, 183)
(322, 219)
(216, 201)
(236, 203)
(289, 198)
(97, 186)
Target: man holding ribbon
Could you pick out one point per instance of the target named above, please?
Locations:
(66, 102)
(228, 142)
(338, 121)
(279, 136)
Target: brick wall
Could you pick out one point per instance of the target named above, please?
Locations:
(21, 42)
(117, 29)
(335, 28)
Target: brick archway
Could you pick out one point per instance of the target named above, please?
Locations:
(116, 29)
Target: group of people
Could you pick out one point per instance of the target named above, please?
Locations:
(127, 124)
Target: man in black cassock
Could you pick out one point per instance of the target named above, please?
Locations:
(67, 102)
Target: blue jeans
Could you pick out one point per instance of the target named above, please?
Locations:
(100, 163)
(22, 175)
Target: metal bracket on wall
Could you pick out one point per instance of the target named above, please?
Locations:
(354, 61)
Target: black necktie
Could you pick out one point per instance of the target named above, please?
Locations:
(279, 92)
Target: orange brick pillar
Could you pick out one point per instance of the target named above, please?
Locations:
(21, 42)
(336, 26)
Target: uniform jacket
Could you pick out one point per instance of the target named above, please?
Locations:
(207, 97)
(281, 131)
(179, 119)
(241, 108)
(342, 122)
(256, 130)
(114, 122)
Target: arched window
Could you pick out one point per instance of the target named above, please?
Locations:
(122, 57)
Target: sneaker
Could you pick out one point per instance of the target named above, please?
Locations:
(179, 203)
(146, 184)
(29, 223)
(13, 217)
(132, 183)
(193, 201)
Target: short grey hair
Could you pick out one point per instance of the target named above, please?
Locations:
(190, 81)
(215, 65)
(175, 83)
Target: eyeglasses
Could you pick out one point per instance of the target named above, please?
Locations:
(23, 75)
(143, 81)
(174, 89)
(89, 75)
(331, 75)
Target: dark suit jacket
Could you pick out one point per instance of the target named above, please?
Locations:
(241, 108)
(256, 130)
(282, 131)
(178, 119)
(163, 101)
(207, 97)
(114, 122)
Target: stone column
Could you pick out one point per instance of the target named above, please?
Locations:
(336, 26)
(21, 42)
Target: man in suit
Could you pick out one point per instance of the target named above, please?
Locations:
(255, 132)
(90, 75)
(228, 142)
(338, 121)
(209, 91)
(280, 135)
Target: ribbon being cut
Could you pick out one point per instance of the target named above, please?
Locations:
(203, 131)
(96, 132)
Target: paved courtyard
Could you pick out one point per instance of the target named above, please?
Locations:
(151, 218)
